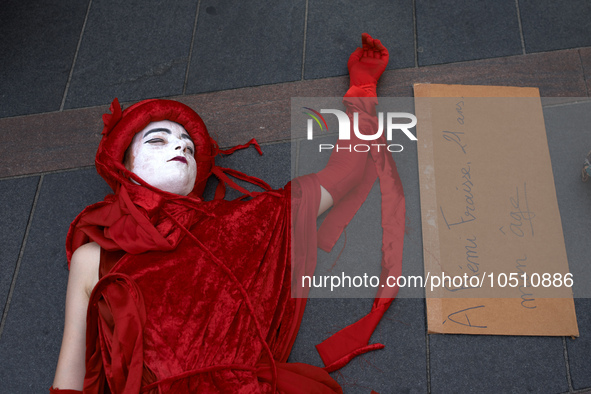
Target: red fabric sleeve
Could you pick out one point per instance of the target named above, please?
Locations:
(353, 340)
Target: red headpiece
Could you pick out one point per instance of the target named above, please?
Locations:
(121, 126)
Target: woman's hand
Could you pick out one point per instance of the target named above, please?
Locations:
(367, 64)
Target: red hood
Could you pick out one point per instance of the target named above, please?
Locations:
(121, 126)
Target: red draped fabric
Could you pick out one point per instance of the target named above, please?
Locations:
(178, 322)
(195, 296)
(353, 340)
(201, 300)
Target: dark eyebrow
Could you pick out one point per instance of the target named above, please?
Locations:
(167, 131)
(156, 131)
(187, 137)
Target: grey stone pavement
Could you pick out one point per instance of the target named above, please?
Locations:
(66, 55)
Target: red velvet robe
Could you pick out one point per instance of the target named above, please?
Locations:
(179, 317)
(201, 300)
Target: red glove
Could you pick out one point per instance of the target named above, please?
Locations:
(345, 169)
(367, 64)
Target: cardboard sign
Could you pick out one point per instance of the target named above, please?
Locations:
(494, 252)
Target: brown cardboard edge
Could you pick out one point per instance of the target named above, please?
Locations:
(436, 305)
(449, 90)
(428, 200)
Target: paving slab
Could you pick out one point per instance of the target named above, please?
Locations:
(334, 31)
(16, 203)
(398, 368)
(555, 24)
(38, 46)
(466, 30)
(585, 56)
(33, 332)
(496, 364)
(567, 127)
(240, 44)
(579, 349)
(132, 50)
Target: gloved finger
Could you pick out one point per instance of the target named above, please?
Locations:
(382, 49)
(378, 45)
(364, 38)
(367, 41)
(370, 44)
(379, 49)
(357, 54)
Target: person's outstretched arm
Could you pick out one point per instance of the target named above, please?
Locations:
(345, 168)
(69, 374)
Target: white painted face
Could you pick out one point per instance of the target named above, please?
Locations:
(162, 155)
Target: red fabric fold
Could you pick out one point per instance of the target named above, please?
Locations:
(299, 378)
(114, 339)
(343, 212)
(133, 223)
(222, 174)
(305, 199)
(227, 297)
(341, 347)
(65, 391)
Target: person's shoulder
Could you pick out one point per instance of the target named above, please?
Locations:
(85, 264)
(88, 250)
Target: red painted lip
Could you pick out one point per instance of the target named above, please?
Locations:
(179, 158)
